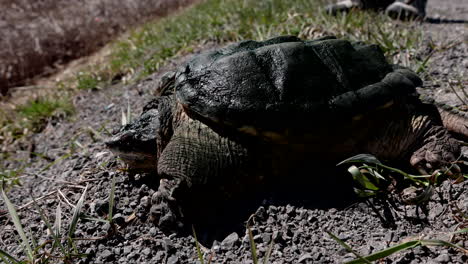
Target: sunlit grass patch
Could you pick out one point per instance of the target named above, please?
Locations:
(222, 21)
(40, 110)
(50, 250)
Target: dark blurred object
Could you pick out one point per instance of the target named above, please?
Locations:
(404, 10)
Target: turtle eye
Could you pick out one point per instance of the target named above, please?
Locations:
(120, 140)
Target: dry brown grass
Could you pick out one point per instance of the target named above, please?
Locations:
(38, 36)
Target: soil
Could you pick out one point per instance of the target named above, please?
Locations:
(73, 158)
(38, 37)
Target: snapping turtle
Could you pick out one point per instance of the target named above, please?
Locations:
(234, 118)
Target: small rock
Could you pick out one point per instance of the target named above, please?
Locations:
(277, 236)
(145, 202)
(168, 245)
(159, 255)
(230, 241)
(260, 214)
(144, 190)
(272, 210)
(173, 260)
(90, 251)
(133, 255)
(106, 254)
(304, 257)
(153, 231)
(101, 207)
(119, 219)
(127, 249)
(290, 210)
(266, 237)
(146, 251)
(443, 258)
(257, 238)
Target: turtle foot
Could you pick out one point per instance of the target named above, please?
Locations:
(439, 152)
(165, 211)
(342, 6)
(403, 11)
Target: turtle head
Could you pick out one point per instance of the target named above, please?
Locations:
(139, 143)
(135, 143)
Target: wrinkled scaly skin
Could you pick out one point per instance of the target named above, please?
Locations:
(250, 113)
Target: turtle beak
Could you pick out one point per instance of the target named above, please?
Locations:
(120, 141)
(137, 152)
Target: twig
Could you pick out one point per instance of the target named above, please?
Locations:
(65, 198)
(31, 202)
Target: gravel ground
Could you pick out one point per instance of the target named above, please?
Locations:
(297, 230)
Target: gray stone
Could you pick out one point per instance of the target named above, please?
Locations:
(119, 219)
(443, 258)
(304, 257)
(146, 251)
(266, 237)
(106, 254)
(173, 260)
(127, 249)
(145, 201)
(230, 240)
(153, 231)
(168, 245)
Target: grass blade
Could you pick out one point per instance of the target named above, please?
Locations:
(129, 113)
(58, 220)
(362, 179)
(49, 226)
(464, 230)
(361, 158)
(111, 199)
(11, 259)
(436, 242)
(76, 216)
(342, 243)
(18, 226)
(197, 245)
(253, 248)
(387, 252)
(268, 253)
(123, 120)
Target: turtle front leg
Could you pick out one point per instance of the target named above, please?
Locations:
(198, 167)
(438, 151)
(166, 211)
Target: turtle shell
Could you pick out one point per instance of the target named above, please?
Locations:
(288, 82)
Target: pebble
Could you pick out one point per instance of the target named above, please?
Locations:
(168, 245)
(230, 240)
(146, 251)
(304, 257)
(106, 254)
(443, 258)
(173, 260)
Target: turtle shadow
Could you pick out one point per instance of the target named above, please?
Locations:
(324, 189)
(434, 20)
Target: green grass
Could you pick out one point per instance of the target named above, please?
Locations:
(42, 108)
(60, 248)
(372, 178)
(397, 248)
(33, 116)
(87, 81)
(221, 21)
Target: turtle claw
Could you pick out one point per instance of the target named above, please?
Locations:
(165, 212)
(437, 154)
